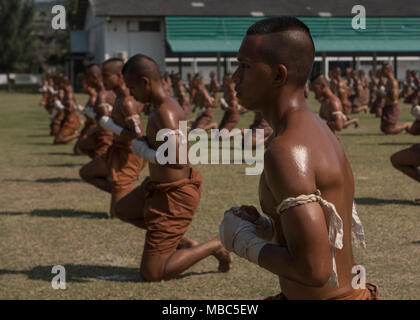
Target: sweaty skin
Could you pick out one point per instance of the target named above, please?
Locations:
(303, 156)
(165, 114)
(331, 110)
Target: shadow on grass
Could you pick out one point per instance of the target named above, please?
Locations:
(60, 213)
(54, 153)
(395, 144)
(81, 273)
(361, 134)
(47, 180)
(87, 273)
(379, 202)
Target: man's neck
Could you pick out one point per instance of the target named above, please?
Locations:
(121, 91)
(159, 94)
(284, 103)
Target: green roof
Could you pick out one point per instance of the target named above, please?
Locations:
(225, 34)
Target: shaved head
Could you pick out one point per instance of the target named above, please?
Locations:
(114, 65)
(286, 41)
(93, 69)
(142, 66)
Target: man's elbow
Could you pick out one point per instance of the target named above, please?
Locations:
(317, 275)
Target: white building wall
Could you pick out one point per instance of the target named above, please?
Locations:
(95, 27)
(122, 43)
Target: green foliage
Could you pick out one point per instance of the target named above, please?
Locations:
(16, 37)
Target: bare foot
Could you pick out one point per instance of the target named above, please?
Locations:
(356, 124)
(186, 243)
(225, 259)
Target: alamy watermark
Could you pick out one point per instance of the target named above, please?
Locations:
(58, 22)
(359, 20)
(58, 281)
(198, 153)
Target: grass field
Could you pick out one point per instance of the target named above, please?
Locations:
(48, 217)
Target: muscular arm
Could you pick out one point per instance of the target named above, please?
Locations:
(338, 122)
(306, 259)
(133, 127)
(167, 118)
(100, 107)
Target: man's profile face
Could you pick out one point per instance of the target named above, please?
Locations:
(110, 79)
(137, 88)
(252, 76)
(317, 88)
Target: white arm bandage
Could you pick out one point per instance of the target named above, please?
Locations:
(240, 236)
(142, 149)
(58, 104)
(108, 124)
(415, 112)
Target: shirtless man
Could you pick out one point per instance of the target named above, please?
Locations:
(360, 100)
(414, 129)
(181, 94)
(304, 158)
(408, 162)
(165, 203)
(391, 111)
(343, 91)
(206, 103)
(214, 85)
(231, 106)
(71, 120)
(117, 170)
(380, 95)
(331, 111)
(373, 85)
(85, 145)
(101, 138)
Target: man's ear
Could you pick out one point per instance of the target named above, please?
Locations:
(145, 82)
(280, 75)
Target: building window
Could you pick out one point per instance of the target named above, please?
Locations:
(132, 26)
(149, 26)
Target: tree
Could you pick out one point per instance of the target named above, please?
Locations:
(16, 37)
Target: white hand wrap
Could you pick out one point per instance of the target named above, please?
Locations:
(88, 111)
(58, 104)
(265, 229)
(142, 149)
(79, 108)
(415, 112)
(53, 114)
(240, 236)
(135, 119)
(108, 124)
(52, 91)
(223, 103)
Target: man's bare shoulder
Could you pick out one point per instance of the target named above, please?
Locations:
(287, 167)
(169, 113)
